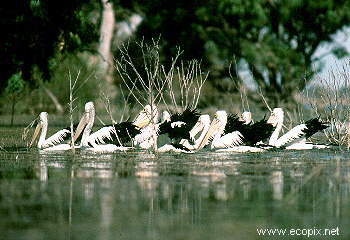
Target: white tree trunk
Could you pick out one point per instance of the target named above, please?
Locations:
(106, 36)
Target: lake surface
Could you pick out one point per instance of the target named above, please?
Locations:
(140, 195)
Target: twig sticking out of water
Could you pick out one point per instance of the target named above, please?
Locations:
(332, 100)
(316, 171)
(264, 99)
(238, 85)
(348, 134)
(107, 104)
(190, 80)
(72, 85)
(26, 131)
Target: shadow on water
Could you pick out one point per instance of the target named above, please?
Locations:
(139, 195)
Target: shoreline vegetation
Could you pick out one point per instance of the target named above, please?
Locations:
(182, 84)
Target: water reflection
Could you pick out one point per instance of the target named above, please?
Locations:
(169, 196)
(277, 185)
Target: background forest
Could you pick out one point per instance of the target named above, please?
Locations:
(47, 43)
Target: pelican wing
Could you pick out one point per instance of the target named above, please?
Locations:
(102, 136)
(57, 138)
(291, 136)
(314, 125)
(234, 124)
(256, 132)
(180, 125)
(228, 140)
(118, 134)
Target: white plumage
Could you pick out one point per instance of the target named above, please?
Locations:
(228, 140)
(98, 137)
(291, 137)
(51, 143)
(295, 138)
(148, 136)
(98, 141)
(202, 125)
(171, 148)
(216, 131)
(56, 138)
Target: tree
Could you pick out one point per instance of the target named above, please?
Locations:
(36, 31)
(275, 38)
(14, 87)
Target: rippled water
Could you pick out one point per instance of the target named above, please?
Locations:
(139, 195)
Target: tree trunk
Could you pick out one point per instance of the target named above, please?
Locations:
(105, 56)
(54, 99)
(13, 109)
(106, 36)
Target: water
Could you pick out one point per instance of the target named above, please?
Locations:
(139, 195)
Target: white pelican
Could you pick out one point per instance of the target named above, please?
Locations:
(146, 138)
(229, 132)
(177, 126)
(149, 114)
(184, 145)
(296, 137)
(109, 138)
(246, 117)
(53, 142)
(201, 126)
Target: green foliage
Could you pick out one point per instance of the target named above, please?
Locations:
(276, 39)
(15, 84)
(36, 31)
(340, 52)
(87, 88)
(14, 87)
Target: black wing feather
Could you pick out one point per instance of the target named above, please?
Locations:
(256, 132)
(125, 132)
(252, 133)
(313, 126)
(189, 117)
(234, 124)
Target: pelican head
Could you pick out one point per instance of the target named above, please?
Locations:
(86, 121)
(165, 117)
(247, 117)
(276, 117)
(42, 124)
(148, 114)
(216, 127)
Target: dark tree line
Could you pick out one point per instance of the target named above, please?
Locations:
(274, 39)
(37, 30)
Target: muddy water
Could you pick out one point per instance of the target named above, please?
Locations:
(139, 195)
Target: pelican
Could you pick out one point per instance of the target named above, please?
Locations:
(296, 137)
(149, 114)
(230, 132)
(246, 117)
(202, 125)
(53, 142)
(184, 145)
(148, 135)
(109, 138)
(178, 127)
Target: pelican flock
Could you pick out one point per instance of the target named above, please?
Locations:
(188, 131)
